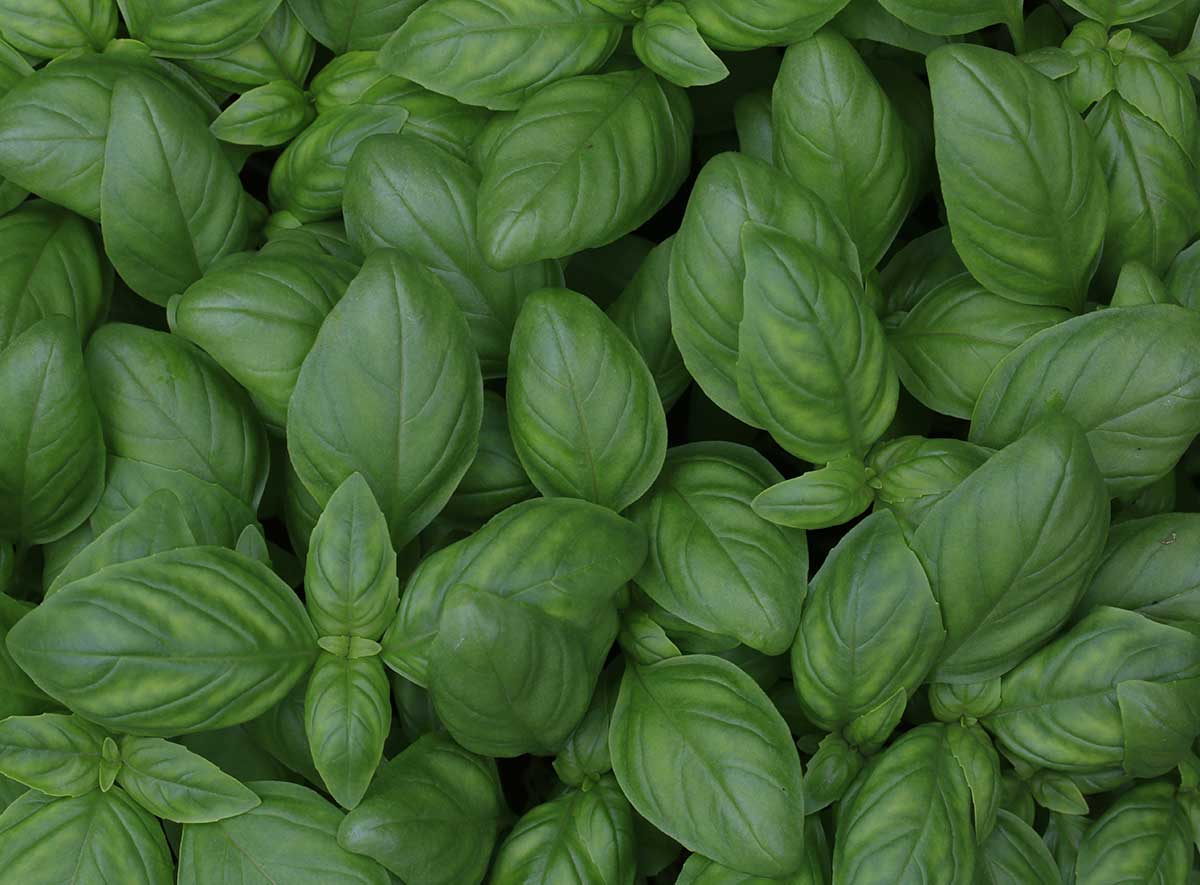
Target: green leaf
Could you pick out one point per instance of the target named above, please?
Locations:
(1143, 837)
(283, 50)
(156, 524)
(50, 263)
(1136, 430)
(950, 17)
(110, 764)
(1058, 793)
(1014, 854)
(708, 266)
(266, 115)
(51, 447)
(433, 816)
(953, 701)
(583, 410)
(870, 626)
(53, 753)
(170, 203)
(365, 25)
(96, 838)
(498, 53)
(1010, 550)
(837, 133)
(280, 732)
(350, 582)
(818, 499)
(163, 403)
(948, 344)
(924, 264)
(1116, 12)
(755, 125)
(173, 783)
(50, 29)
(715, 562)
(507, 679)
(813, 365)
(668, 43)
(567, 557)
(347, 713)
(1023, 186)
(257, 315)
(405, 192)
(19, 696)
(584, 756)
(1138, 285)
(291, 837)
(411, 426)
(1148, 567)
(683, 714)
(980, 764)
(204, 636)
(732, 24)
(495, 480)
(643, 639)
(1060, 708)
(308, 177)
(910, 812)
(580, 837)
(618, 143)
(643, 312)
(1152, 198)
(830, 772)
(181, 29)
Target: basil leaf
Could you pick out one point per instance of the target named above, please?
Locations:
(583, 410)
(174, 783)
(397, 339)
(681, 715)
(53, 753)
(207, 637)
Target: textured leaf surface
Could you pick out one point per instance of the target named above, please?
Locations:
(1145, 836)
(205, 637)
(391, 390)
(176, 784)
(53, 753)
(584, 413)
(366, 24)
(671, 733)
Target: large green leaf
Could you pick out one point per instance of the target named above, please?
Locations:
(1145, 836)
(366, 24)
(498, 53)
(949, 343)
(1137, 428)
(49, 29)
(391, 389)
(708, 266)
(618, 144)
(579, 838)
(585, 415)
(406, 192)
(183, 29)
(909, 815)
(837, 133)
(949, 17)
(735, 24)
(51, 447)
(702, 754)
(257, 315)
(203, 636)
(813, 365)
(1153, 202)
(432, 815)
(1009, 552)
(94, 839)
(1149, 566)
(308, 177)
(567, 557)
(164, 403)
(347, 713)
(55, 754)
(870, 626)
(1024, 191)
(178, 785)
(50, 263)
(170, 202)
(505, 678)
(713, 561)
(1067, 707)
(291, 837)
